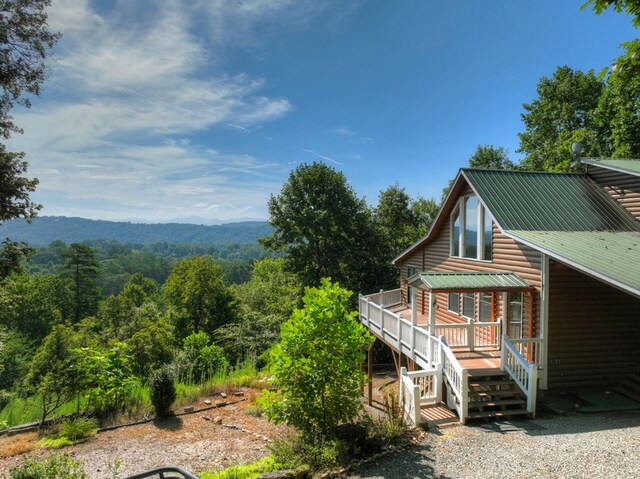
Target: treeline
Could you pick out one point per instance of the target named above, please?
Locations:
(45, 229)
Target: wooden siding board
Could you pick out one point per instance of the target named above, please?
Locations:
(593, 330)
(623, 188)
(507, 256)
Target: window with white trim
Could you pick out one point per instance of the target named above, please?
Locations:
(471, 230)
(484, 307)
(469, 305)
(514, 315)
(453, 303)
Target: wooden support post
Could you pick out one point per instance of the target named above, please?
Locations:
(370, 373)
(493, 316)
(531, 332)
(432, 314)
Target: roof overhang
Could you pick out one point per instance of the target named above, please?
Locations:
(440, 282)
(630, 166)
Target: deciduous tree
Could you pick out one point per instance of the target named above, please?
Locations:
(82, 269)
(489, 157)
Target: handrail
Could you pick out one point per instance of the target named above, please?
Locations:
(458, 378)
(524, 374)
(161, 471)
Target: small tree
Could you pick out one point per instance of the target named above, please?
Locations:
(162, 390)
(316, 364)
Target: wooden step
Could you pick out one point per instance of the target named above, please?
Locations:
(497, 392)
(500, 382)
(633, 394)
(498, 402)
(490, 414)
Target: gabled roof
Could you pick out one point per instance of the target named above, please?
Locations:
(548, 201)
(531, 201)
(470, 281)
(564, 215)
(630, 166)
(611, 256)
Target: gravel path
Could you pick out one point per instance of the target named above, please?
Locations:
(582, 446)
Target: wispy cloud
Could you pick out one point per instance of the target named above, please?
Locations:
(322, 157)
(115, 126)
(353, 136)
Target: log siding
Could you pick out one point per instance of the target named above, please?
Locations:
(624, 188)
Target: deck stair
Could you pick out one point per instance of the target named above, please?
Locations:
(493, 394)
(630, 387)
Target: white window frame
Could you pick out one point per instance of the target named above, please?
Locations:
(473, 295)
(480, 301)
(449, 303)
(461, 210)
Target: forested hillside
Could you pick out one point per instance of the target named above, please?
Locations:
(43, 230)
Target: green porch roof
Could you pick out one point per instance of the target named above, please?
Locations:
(613, 257)
(471, 281)
(530, 201)
(624, 165)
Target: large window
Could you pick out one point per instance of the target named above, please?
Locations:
(468, 305)
(471, 230)
(454, 303)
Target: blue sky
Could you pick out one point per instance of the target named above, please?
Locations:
(164, 110)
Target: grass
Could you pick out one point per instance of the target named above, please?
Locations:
(138, 404)
(70, 432)
(245, 471)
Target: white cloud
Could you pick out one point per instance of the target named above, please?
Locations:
(353, 136)
(109, 132)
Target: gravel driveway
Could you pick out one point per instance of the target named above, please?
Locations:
(604, 445)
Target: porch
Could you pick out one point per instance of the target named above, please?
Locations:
(463, 364)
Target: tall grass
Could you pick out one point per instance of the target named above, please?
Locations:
(137, 404)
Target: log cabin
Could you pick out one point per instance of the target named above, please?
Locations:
(526, 283)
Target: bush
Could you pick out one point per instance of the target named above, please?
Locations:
(162, 391)
(199, 361)
(80, 428)
(59, 466)
(296, 451)
(316, 365)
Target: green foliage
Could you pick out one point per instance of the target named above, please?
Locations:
(297, 451)
(199, 299)
(245, 471)
(401, 221)
(316, 364)
(54, 373)
(325, 230)
(162, 391)
(58, 466)
(71, 431)
(15, 355)
(562, 114)
(82, 269)
(489, 157)
(264, 302)
(199, 360)
(33, 304)
(629, 7)
(11, 256)
(151, 348)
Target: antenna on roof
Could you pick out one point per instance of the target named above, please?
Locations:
(576, 150)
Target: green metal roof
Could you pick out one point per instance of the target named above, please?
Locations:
(475, 281)
(624, 165)
(613, 257)
(548, 201)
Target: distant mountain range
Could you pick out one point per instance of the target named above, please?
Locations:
(43, 230)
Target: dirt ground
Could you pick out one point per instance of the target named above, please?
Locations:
(204, 441)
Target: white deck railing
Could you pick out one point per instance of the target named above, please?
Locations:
(524, 373)
(433, 352)
(471, 335)
(418, 386)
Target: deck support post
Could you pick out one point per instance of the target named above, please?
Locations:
(432, 314)
(370, 373)
(471, 335)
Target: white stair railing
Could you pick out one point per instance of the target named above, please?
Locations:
(524, 374)
(458, 379)
(418, 386)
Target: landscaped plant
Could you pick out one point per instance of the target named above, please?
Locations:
(316, 365)
(59, 466)
(162, 391)
(71, 431)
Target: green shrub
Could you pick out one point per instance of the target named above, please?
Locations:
(245, 471)
(315, 364)
(59, 466)
(80, 428)
(296, 451)
(162, 391)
